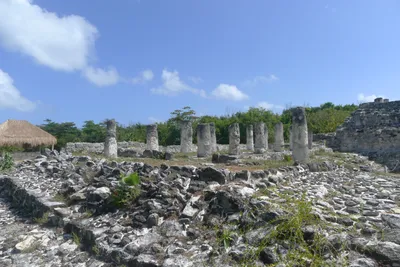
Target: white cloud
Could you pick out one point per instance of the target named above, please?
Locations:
(101, 77)
(229, 92)
(195, 80)
(10, 97)
(173, 85)
(143, 77)
(258, 80)
(63, 43)
(363, 98)
(269, 106)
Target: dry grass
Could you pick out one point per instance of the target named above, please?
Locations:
(19, 132)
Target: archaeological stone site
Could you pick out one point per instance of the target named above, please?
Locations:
(304, 200)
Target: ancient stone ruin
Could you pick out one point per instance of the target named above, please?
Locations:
(95, 211)
(186, 136)
(279, 140)
(213, 137)
(152, 137)
(110, 144)
(299, 135)
(260, 139)
(204, 140)
(266, 136)
(249, 138)
(372, 130)
(310, 139)
(234, 139)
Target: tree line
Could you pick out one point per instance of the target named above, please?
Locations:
(323, 119)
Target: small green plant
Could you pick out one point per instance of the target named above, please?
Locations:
(88, 214)
(42, 220)
(7, 162)
(76, 239)
(287, 158)
(132, 180)
(59, 197)
(96, 250)
(290, 230)
(225, 237)
(127, 190)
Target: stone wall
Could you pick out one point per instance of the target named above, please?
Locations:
(24, 155)
(97, 148)
(372, 130)
(328, 137)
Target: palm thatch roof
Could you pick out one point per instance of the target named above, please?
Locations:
(20, 132)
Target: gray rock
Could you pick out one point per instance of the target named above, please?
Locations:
(210, 174)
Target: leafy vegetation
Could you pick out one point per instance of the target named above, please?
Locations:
(7, 162)
(76, 239)
(127, 191)
(42, 220)
(300, 231)
(322, 119)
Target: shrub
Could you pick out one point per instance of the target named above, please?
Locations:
(7, 162)
(127, 190)
(287, 158)
(133, 179)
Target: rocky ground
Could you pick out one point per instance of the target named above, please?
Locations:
(25, 243)
(338, 210)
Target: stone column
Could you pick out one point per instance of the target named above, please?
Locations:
(213, 138)
(291, 137)
(279, 140)
(203, 140)
(234, 139)
(110, 144)
(259, 137)
(378, 100)
(310, 139)
(186, 136)
(300, 151)
(266, 136)
(152, 137)
(249, 138)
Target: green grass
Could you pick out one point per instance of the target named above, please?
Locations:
(289, 229)
(60, 198)
(76, 239)
(42, 220)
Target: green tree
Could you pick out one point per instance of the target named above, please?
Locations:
(93, 132)
(64, 132)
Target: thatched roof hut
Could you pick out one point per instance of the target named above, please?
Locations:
(20, 132)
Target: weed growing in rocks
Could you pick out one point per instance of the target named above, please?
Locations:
(299, 231)
(96, 250)
(225, 237)
(42, 220)
(287, 158)
(132, 180)
(127, 190)
(7, 162)
(76, 239)
(60, 197)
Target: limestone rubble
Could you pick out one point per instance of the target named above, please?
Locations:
(194, 216)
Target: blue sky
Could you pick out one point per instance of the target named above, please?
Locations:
(138, 60)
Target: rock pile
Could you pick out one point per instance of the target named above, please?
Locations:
(205, 216)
